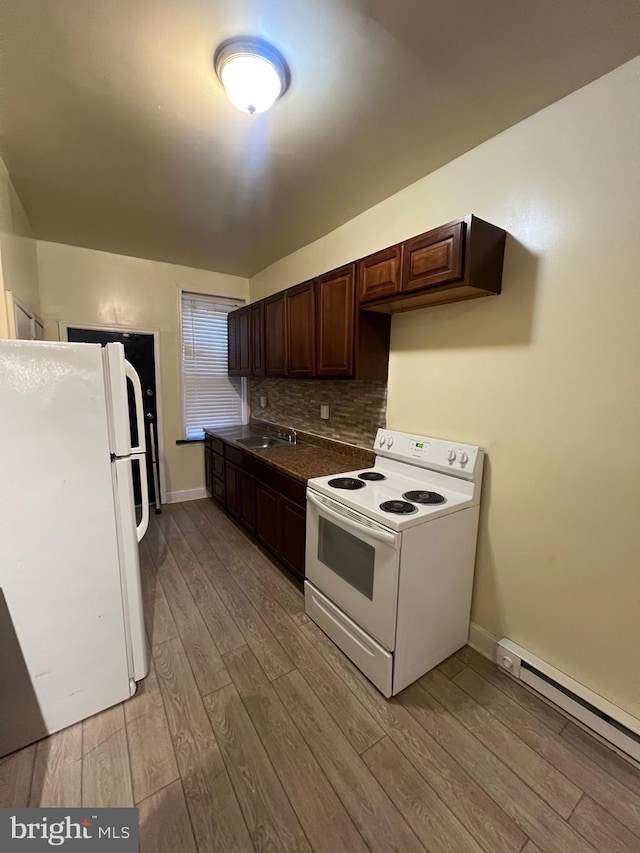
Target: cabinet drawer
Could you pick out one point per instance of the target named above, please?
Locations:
(234, 455)
(287, 486)
(218, 491)
(434, 258)
(215, 444)
(218, 464)
(380, 274)
(244, 461)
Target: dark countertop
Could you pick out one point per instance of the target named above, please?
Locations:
(312, 456)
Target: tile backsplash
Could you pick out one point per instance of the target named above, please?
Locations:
(356, 408)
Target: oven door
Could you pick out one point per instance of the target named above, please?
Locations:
(356, 563)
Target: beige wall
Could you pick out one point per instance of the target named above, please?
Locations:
(87, 286)
(18, 259)
(545, 376)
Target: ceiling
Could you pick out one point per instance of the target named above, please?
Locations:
(118, 136)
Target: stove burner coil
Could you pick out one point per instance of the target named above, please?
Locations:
(371, 475)
(346, 483)
(398, 507)
(421, 496)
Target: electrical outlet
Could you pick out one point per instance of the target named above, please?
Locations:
(263, 402)
(324, 412)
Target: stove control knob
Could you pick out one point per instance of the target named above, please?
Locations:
(382, 439)
(451, 456)
(389, 441)
(464, 458)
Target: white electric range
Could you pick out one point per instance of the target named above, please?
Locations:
(390, 555)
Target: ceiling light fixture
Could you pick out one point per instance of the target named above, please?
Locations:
(253, 73)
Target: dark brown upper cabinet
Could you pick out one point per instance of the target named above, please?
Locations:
(338, 325)
(300, 335)
(380, 274)
(257, 339)
(275, 325)
(350, 344)
(335, 307)
(239, 342)
(458, 261)
(244, 341)
(232, 343)
(434, 258)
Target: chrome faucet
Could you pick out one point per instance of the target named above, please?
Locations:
(289, 434)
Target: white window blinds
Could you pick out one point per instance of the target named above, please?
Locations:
(211, 397)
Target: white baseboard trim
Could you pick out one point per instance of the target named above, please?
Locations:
(186, 495)
(482, 641)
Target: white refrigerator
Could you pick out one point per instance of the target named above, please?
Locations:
(72, 636)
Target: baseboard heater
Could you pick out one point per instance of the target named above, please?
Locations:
(611, 723)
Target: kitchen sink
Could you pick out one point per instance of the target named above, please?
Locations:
(258, 442)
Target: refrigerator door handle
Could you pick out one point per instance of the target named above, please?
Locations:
(141, 528)
(139, 413)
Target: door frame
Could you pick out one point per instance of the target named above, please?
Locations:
(63, 327)
(13, 303)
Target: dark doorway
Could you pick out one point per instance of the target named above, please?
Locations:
(139, 349)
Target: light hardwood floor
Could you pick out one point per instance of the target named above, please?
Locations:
(254, 732)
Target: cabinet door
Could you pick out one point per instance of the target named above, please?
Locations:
(244, 341)
(293, 536)
(380, 274)
(232, 344)
(300, 330)
(433, 258)
(232, 483)
(257, 339)
(335, 305)
(246, 512)
(274, 335)
(268, 518)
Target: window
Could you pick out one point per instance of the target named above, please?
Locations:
(212, 398)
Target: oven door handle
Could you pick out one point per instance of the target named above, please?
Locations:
(374, 533)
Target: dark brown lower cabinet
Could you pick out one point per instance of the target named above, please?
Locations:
(219, 491)
(280, 526)
(214, 469)
(246, 501)
(268, 503)
(293, 536)
(232, 483)
(268, 527)
(239, 495)
(218, 464)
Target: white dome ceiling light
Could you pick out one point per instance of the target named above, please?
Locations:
(254, 74)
